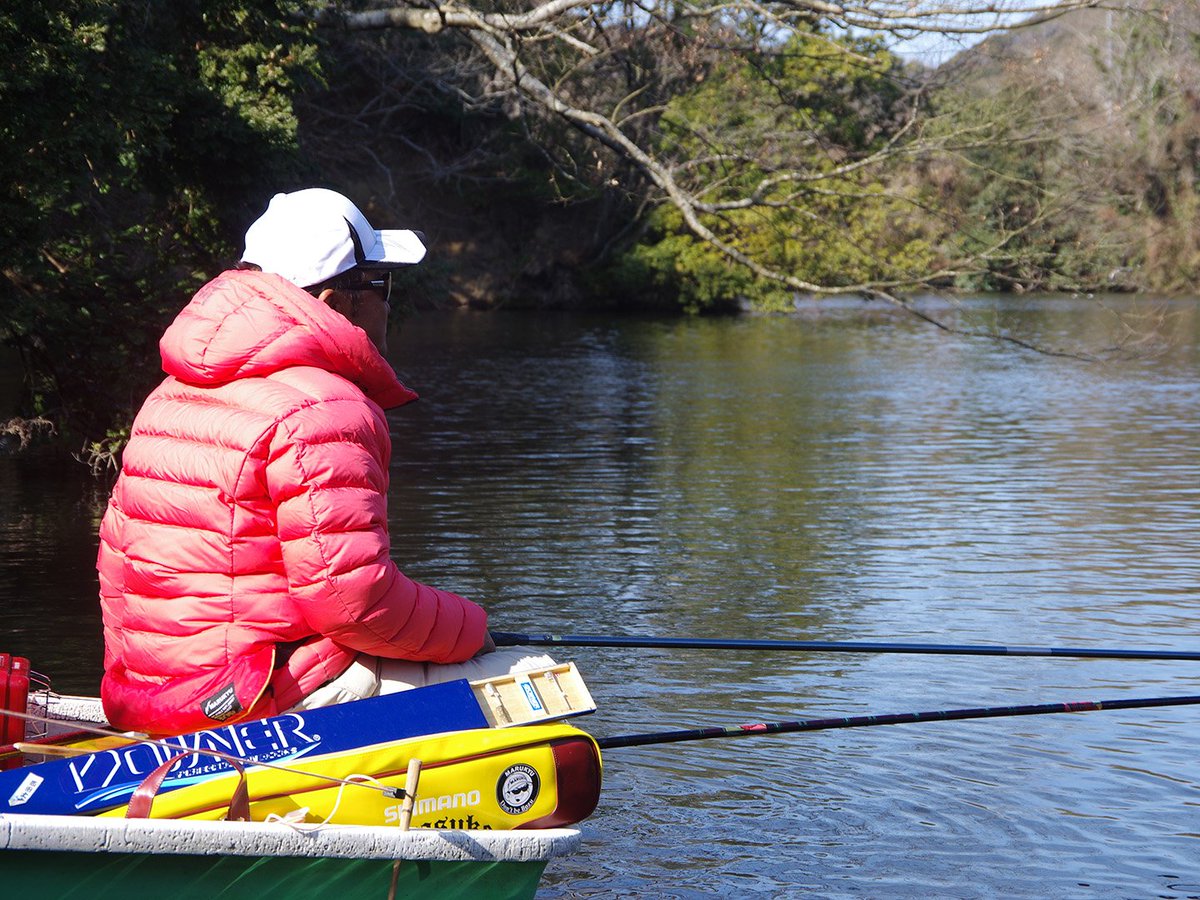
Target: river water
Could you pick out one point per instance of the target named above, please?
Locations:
(851, 474)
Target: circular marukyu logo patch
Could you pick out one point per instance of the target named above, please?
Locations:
(517, 789)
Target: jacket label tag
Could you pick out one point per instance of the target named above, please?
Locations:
(222, 705)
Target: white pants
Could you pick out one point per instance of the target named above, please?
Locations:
(370, 676)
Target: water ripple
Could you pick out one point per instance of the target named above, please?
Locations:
(849, 477)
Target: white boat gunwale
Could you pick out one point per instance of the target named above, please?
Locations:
(208, 838)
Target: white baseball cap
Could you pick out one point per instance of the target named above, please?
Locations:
(312, 235)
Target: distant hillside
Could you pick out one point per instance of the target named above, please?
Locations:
(1108, 104)
(1080, 47)
(1071, 36)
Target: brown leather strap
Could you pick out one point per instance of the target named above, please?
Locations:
(141, 803)
(239, 803)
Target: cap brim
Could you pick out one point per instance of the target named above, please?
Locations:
(394, 248)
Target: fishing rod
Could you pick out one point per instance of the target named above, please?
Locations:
(512, 639)
(868, 721)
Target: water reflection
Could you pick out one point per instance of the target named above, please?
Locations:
(49, 519)
(835, 476)
(772, 478)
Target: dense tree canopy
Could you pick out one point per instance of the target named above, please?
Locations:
(779, 147)
(837, 120)
(132, 136)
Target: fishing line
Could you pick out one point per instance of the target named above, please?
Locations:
(296, 819)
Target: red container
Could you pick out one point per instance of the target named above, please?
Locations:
(16, 699)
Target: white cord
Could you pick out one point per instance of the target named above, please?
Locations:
(295, 819)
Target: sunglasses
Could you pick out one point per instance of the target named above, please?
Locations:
(354, 281)
(381, 285)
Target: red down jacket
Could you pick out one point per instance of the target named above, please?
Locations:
(244, 554)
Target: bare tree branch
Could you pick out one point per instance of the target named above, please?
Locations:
(617, 73)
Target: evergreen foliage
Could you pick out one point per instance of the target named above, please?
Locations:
(136, 139)
(812, 105)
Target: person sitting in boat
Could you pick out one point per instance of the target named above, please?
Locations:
(244, 556)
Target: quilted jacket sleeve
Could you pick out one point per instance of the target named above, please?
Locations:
(327, 473)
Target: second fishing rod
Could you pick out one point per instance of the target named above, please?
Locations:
(514, 639)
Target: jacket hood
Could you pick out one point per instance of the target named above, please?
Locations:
(246, 324)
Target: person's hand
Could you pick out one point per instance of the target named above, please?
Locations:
(488, 644)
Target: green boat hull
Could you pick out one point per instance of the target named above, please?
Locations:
(101, 876)
(99, 858)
